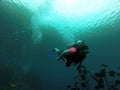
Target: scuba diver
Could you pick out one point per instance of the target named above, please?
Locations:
(74, 54)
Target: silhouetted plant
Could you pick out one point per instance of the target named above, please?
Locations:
(112, 73)
(103, 79)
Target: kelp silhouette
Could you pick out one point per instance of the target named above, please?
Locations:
(104, 79)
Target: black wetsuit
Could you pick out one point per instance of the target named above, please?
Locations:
(78, 56)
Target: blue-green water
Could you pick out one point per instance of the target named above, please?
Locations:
(28, 32)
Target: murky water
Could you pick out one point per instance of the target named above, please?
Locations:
(30, 29)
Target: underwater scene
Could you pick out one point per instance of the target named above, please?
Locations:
(59, 44)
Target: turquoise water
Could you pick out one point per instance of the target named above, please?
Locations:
(30, 29)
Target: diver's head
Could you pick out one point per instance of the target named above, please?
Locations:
(81, 44)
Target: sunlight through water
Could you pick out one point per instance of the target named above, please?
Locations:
(72, 16)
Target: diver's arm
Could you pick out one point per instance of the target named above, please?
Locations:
(67, 52)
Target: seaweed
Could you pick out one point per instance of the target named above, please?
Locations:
(103, 79)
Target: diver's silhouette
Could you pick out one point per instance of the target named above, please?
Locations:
(74, 54)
